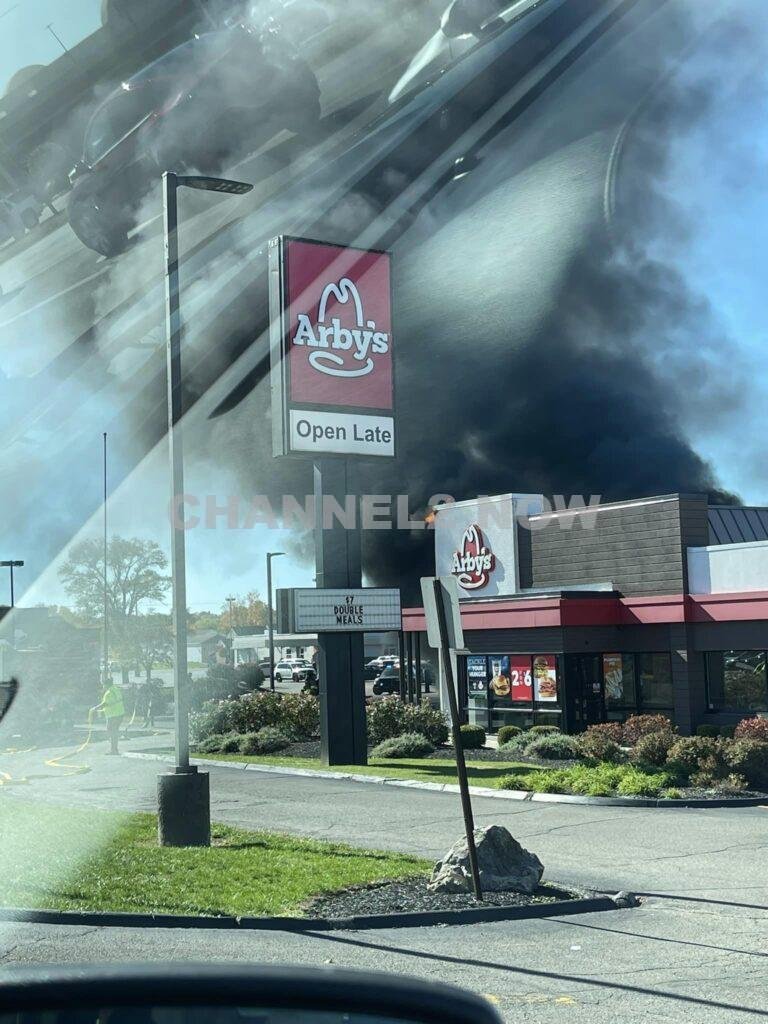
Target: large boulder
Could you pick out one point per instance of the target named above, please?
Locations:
(505, 866)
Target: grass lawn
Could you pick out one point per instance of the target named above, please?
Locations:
(480, 773)
(65, 858)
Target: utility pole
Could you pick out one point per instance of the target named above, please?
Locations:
(270, 617)
(12, 564)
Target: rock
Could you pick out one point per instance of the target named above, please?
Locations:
(505, 866)
(625, 899)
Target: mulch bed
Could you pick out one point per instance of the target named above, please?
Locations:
(413, 896)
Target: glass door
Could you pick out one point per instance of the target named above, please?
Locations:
(584, 686)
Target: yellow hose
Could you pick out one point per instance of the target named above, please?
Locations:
(7, 779)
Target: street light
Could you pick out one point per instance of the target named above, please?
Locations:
(11, 564)
(184, 817)
(270, 556)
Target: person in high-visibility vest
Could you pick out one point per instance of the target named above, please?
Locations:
(114, 712)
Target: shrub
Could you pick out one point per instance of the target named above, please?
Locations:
(216, 717)
(691, 754)
(671, 793)
(591, 780)
(752, 729)
(642, 725)
(543, 730)
(472, 737)
(734, 784)
(249, 677)
(392, 717)
(260, 709)
(506, 732)
(727, 731)
(653, 749)
(428, 721)
(267, 740)
(300, 716)
(554, 747)
(518, 745)
(211, 744)
(600, 744)
(410, 744)
(749, 758)
(707, 730)
(231, 744)
(710, 771)
(612, 730)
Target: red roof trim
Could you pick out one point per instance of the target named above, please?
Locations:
(527, 613)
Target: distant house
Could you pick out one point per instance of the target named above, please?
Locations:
(251, 644)
(203, 644)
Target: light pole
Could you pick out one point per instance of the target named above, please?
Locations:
(11, 564)
(230, 601)
(270, 617)
(183, 796)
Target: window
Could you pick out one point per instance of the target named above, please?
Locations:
(736, 681)
(655, 675)
(619, 676)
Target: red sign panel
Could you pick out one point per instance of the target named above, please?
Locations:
(520, 677)
(338, 326)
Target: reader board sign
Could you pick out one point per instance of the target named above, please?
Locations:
(367, 610)
(331, 345)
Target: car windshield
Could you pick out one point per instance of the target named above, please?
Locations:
(425, 337)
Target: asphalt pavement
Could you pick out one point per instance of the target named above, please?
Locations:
(695, 949)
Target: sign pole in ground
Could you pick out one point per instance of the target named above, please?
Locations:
(441, 606)
(340, 656)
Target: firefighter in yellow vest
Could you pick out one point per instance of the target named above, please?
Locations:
(114, 712)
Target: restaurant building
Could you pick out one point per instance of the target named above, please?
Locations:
(578, 615)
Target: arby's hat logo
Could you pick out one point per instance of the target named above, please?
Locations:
(331, 342)
(339, 341)
(473, 564)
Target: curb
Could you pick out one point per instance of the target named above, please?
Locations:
(449, 787)
(419, 919)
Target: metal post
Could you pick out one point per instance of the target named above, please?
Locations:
(106, 633)
(401, 657)
(270, 623)
(12, 598)
(411, 681)
(461, 766)
(419, 674)
(183, 798)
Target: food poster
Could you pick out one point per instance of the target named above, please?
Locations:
(500, 686)
(613, 676)
(545, 677)
(477, 679)
(520, 678)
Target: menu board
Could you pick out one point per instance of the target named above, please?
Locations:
(545, 677)
(613, 674)
(477, 676)
(520, 677)
(500, 685)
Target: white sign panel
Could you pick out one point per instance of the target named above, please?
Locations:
(476, 542)
(342, 433)
(347, 611)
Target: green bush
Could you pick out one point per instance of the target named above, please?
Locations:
(215, 717)
(260, 709)
(599, 744)
(268, 740)
(734, 783)
(707, 730)
(392, 717)
(749, 758)
(249, 677)
(653, 749)
(554, 747)
(518, 745)
(410, 744)
(300, 716)
(752, 729)
(506, 732)
(591, 780)
(472, 737)
(643, 725)
(671, 793)
(543, 730)
(727, 731)
(691, 754)
(231, 744)
(612, 730)
(212, 744)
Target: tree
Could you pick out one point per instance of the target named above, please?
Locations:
(134, 577)
(246, 611)
(150, 641)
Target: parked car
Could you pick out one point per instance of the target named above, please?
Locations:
(297, 669)
(208, 101)
(389, 679)
(376, 666)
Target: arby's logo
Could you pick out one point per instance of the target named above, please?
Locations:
(473, 564)
(331, 341)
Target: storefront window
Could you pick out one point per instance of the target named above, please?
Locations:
(736, 681)
(619, 676)
(655, 674)
(477, 690)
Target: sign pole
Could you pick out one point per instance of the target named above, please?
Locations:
(461, 766)
(343, 725)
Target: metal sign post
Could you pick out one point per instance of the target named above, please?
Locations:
(441, 606)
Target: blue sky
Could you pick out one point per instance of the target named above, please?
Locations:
(24, 38)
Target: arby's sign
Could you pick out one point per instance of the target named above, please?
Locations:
(332, 349)
(473, 564)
